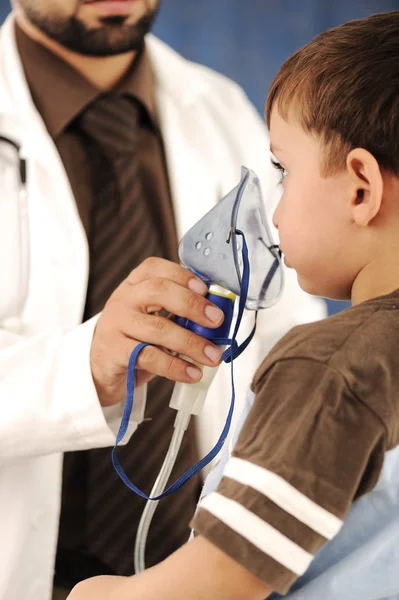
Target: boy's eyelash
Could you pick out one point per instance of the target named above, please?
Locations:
(280, 168)
(277, 165)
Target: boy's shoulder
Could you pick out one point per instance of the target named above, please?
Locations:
(351, 336)
(360, 345)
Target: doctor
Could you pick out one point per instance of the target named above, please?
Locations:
(72, 72)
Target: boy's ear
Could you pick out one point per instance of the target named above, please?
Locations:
(368, 185)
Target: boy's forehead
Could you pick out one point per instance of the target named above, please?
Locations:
(286, 135)
(280, 132)
(280, 126)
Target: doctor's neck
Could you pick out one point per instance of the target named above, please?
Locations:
(101, 71)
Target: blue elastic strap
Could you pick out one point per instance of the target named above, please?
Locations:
(228, 356)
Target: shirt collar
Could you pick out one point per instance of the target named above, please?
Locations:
(61, 93)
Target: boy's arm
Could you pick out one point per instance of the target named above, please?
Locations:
(307, 450)
(197, 571)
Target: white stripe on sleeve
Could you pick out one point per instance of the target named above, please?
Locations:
(258, 532)
(284, 495)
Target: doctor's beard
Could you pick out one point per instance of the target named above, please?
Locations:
(109, 36)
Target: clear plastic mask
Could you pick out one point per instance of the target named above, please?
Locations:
(213, 250)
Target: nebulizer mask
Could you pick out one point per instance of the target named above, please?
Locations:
(232, 250)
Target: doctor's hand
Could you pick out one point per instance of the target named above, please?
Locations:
(130, 316)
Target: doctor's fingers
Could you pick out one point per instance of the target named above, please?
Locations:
(109, 368)
(176, 299)
(163, 332)
(156, 361)
(155, 267)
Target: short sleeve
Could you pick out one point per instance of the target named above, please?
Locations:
(308, 449)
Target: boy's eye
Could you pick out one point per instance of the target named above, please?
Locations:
(280, 168)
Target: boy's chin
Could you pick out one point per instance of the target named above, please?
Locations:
(308, 286)
(322, 289)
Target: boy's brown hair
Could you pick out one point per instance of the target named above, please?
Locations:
(344, 87)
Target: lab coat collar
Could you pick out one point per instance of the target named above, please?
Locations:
(179, 90)
(174, 74)
(16, 104)
(185, 121)
(173, 77)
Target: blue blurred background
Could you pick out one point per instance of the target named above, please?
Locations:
(248, 40)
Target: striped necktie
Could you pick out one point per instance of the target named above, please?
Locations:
(124, 233)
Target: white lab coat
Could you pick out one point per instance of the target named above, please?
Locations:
(48, 402)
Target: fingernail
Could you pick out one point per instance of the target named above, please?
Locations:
(213, 353)
(213, 313)
(198, 286)
(194, 373)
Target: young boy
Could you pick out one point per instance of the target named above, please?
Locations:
(317, 461)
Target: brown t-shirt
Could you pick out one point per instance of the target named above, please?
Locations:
(326, 410)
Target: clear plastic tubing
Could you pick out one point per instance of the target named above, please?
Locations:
(187, 399)
(181, 423)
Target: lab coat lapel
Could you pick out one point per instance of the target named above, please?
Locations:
(194, 189)
(55, 228)
(194, 186)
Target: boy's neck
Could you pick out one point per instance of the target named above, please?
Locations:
(102, 72)
(378, 278)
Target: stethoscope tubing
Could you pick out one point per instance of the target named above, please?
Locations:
(23, 232)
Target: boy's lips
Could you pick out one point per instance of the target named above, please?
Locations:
(287, 264)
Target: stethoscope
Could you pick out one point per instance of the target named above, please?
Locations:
(21, 160)
(23, 231)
